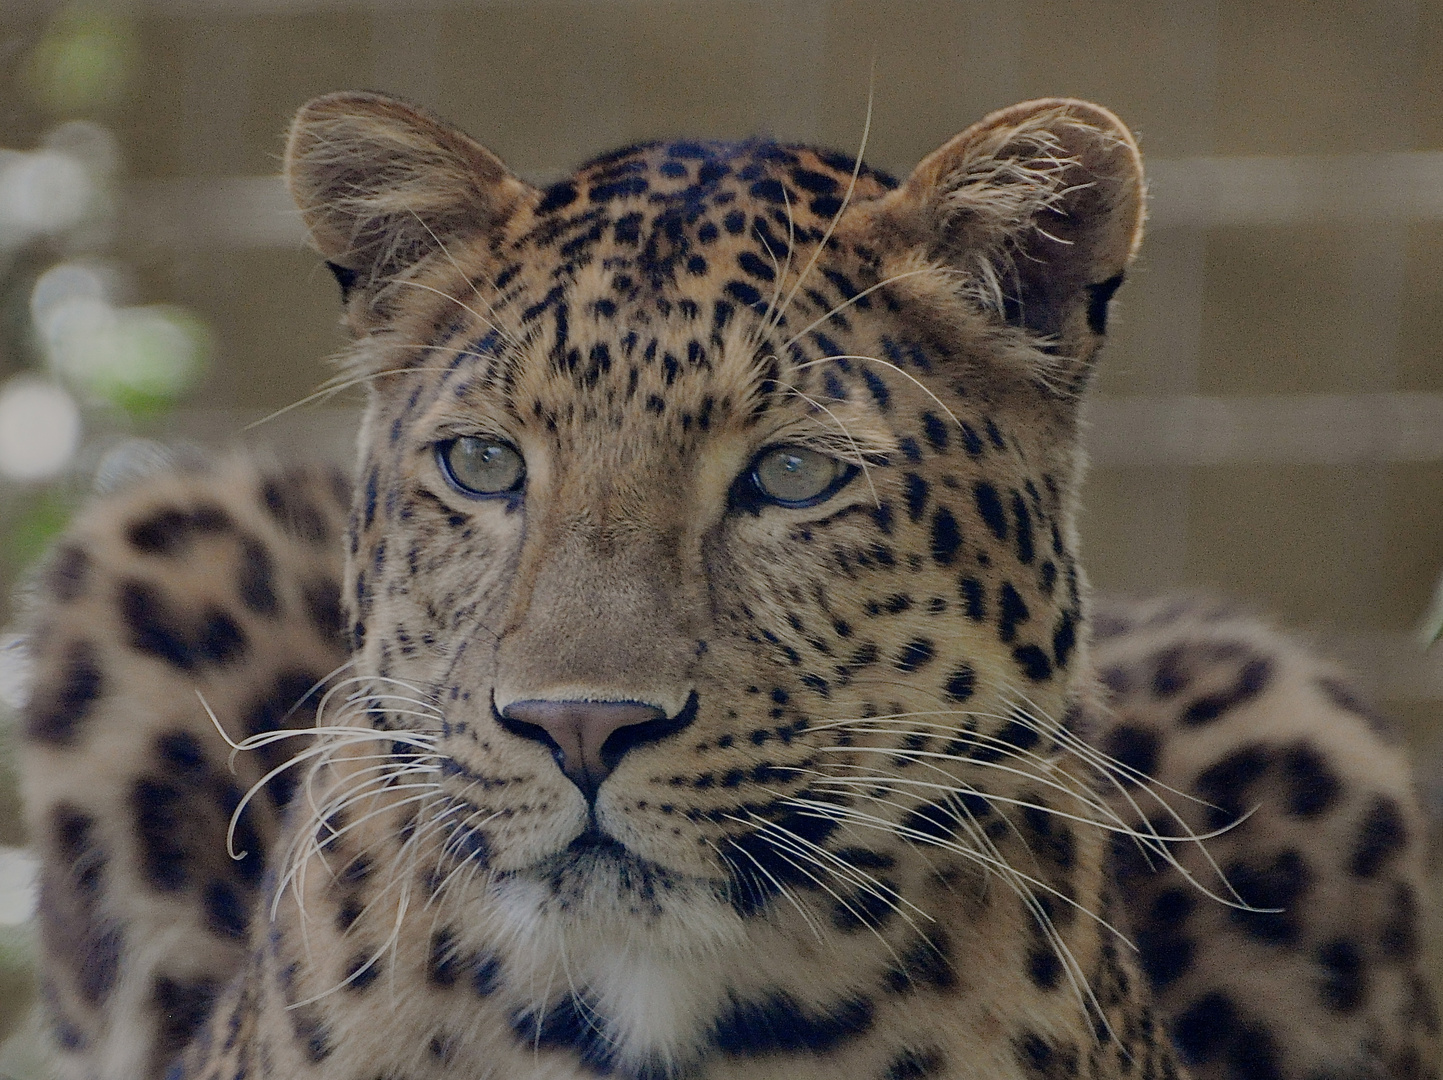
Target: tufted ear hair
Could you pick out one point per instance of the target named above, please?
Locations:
(382, 184)
(1040, 206)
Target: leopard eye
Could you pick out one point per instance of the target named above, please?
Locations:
(481, 466)
(796, 476)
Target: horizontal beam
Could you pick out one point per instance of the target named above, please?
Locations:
(1199, 192)
(1122, 432)
(1303, 429)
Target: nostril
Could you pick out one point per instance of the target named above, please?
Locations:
(589, 738)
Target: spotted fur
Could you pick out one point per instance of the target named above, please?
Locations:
(858, 820)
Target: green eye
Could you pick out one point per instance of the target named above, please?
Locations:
(479, 466)
(794, 475)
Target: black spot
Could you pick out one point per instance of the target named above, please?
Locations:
(322, 600)
(1042, 1060)
(759, 866)
(1043, 967)
(916, 495)
(1311, 786)
(1025, 550)
(1133, 746)
(815, 182)
(226, 910)
(557, 197)
(311, 1033)
(870, 907)
(916, 654)
(290, 702)
(961, 684)
(1035, 663)
(1279, 885)
(915, 1065)
(168, 532)
(946, 537)
(1064, 639)
(1382, 835)
(485, 974)
(1205, 1028)
(744, 293)
(1344, 976)
(779, 1024)
(1225, 783)
(935, 431)
(181, 1008)
(1399, 935)
(1251, 681)
(974, 598)
(158, 631)
(879, 390)
(943, 820)
(101, 966)
(1165, 950)
(567, 1025)
(443, 966)
(57, 708)
(865, 858)
(755, 266)
(256, 580)
(770, 190)
(75, 840)
(1099, 295)
(926, 964)
(1169, 676)
(989, 506)
(160, 818)
(1012, 612)
(619, 189)
(361, 971)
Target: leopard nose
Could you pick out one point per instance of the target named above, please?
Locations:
(589, 738)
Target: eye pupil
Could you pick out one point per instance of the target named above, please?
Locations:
(481, 466)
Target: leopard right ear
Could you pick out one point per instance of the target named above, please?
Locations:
(383, 185)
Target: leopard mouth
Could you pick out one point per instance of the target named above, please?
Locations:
(596, 862)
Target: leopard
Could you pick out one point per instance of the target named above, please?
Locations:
(695, 678)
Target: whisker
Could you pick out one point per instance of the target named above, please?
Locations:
(842, 209)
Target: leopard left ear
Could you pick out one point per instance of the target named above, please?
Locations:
(383, 186)
(1040, 206)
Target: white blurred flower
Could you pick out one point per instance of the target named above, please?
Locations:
(128, 355)
(93, 146)
(43, 192)
(39, 428)
(69, 281)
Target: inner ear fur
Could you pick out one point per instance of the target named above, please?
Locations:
(382, 184)
(1039, 207)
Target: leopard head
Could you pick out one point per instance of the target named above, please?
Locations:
(713, 557)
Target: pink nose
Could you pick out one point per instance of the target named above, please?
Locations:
(578, 733)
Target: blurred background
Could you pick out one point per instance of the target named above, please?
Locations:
(1269, 415)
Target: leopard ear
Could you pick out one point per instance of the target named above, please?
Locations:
(381, 185)
(1040, 206)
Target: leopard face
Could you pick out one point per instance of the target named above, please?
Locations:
(575, 490)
